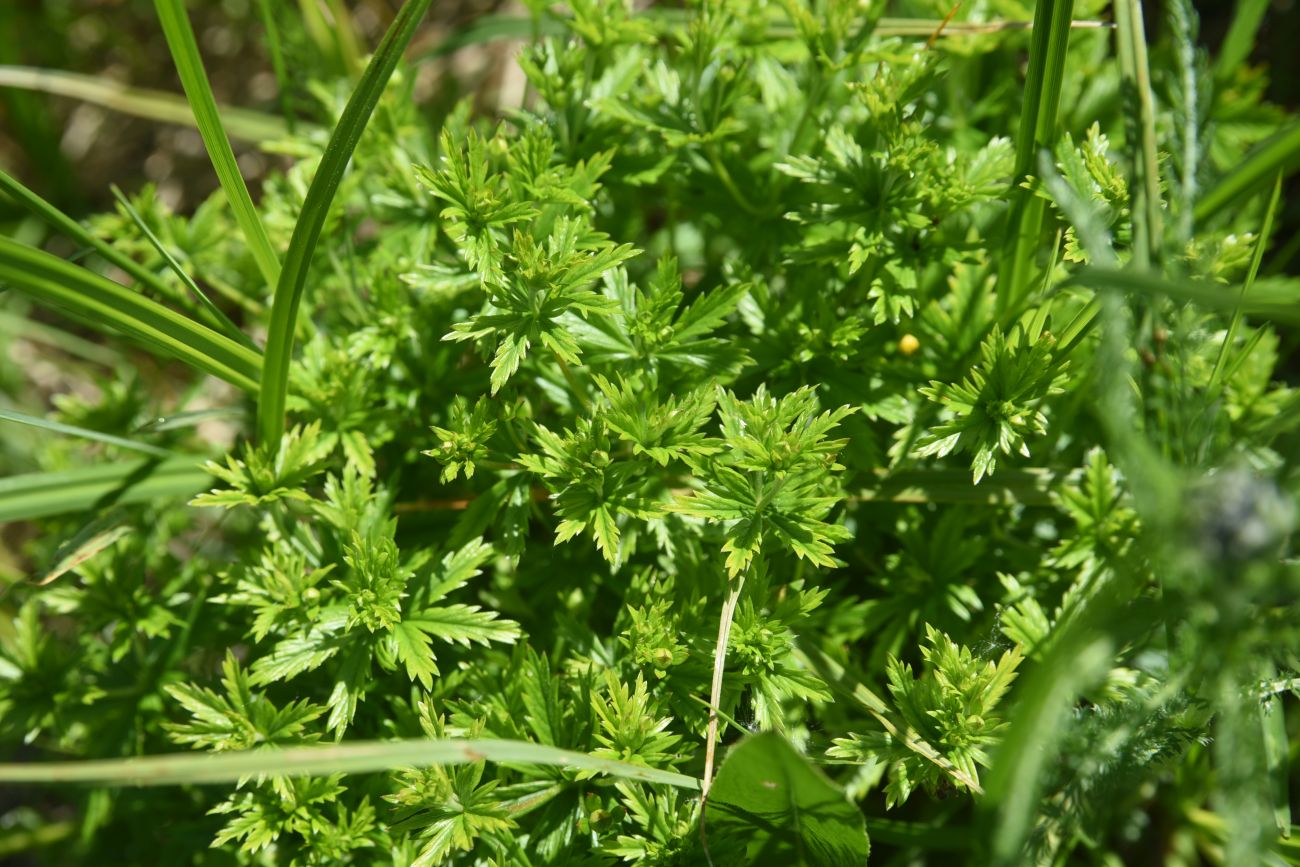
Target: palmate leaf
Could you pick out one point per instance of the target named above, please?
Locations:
(664, 430)
(462, 809)
(464, 443)
(268, 473)
(589, 489)
(787, 487)
(262, 815)
(653, 330)
(479, 204)
(755, 507)
(996, 408)
(542, 287)
(952, 706)
(240, 719)
(424, 620)
(349, 586)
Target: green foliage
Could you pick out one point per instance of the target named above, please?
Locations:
(769, 805)
(269, 473)
(239, 720)
(773, 477)
(996, 406)
(953, 706)
(774, 370)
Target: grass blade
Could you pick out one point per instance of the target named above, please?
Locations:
(83, 433)
(69, 227)
(39, 495)
(344, 30)
(1272, 717)
(211, 312)
(277, 60)
(329, 38)
(1240, 40)
(241, 123)
(1186, 112)
(306, 232)
(30, 120)
(1047, 51)
(185, 52)
(1279, 153)
(1015, 781)
(1278, 305)
(15, 326)
(1136, 75)
(190, 418)
(101, 302)
(489, 28)
(1257, 256)
(353, 758)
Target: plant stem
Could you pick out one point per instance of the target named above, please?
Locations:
(1261, 243)
(1037, 132)
(715, 691)
(730, 183)
(277, 61)
(1136, 73)
(574, 385)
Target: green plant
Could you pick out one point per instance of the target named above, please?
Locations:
(770, 388)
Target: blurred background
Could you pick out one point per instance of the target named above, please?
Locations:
(71, 149)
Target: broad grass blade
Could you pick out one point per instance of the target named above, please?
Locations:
(103, 303)
(83, 433)
(39, 495)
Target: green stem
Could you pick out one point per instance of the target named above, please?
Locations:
(576, 387)
(311, 219)
(1136, 72)
(1216, 375)
(730, 184)
(1038, 131)
(277, 61)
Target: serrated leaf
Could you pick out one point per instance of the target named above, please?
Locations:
(465, 624)
(414, 650)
